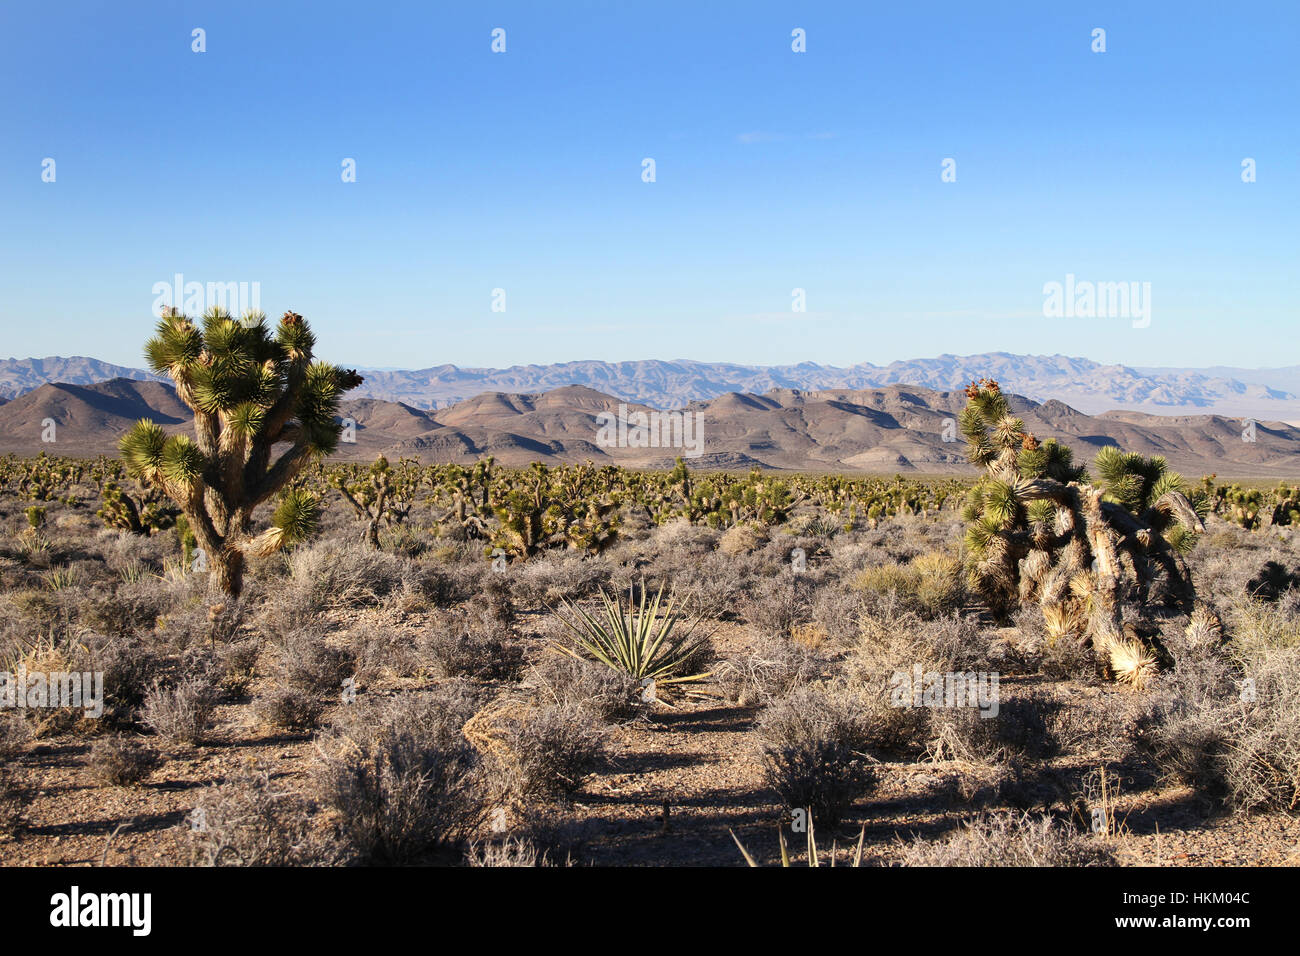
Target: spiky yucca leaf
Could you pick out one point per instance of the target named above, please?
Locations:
(246, 419)
(182, 462)
(297, 515)
(142, 449)
(1131, 661)
(1000, 503)
(176, 345)
(1204, 629)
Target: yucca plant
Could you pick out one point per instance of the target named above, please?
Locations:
(814, 855)
(252, 391)
(639, 639)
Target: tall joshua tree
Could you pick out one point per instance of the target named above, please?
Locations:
(254, 393)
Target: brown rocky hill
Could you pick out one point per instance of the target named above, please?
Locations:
(889, 429)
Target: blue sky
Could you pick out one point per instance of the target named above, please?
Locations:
(775, 170)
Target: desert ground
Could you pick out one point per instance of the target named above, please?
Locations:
(407, 687)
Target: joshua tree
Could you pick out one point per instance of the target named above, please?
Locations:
(1038, 531)
(379, 496)
(251, 390)
(141, 514)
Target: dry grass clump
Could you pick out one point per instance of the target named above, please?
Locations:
(179, 712)
(538, 752)
(608, 695)
(289, 708)
(931, 584)
(680, 538)
(1259, 628)
(456, 647)
(402, 779)
(253, 821)
(743, 538)
(309, 661)
(510, 852)
(121, 761)
(813, 746)
(1010, 840)
(771, 668)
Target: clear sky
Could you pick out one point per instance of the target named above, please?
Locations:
(774, 170)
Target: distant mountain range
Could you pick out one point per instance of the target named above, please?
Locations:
(896, 428)
(1262, 394)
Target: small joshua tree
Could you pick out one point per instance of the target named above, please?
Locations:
(1039, 532)
(251, 390)
(141, 514)
(378, 497)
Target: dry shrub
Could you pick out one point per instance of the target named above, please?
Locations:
(1024, 726)
(122, 762)
(1262, 761)
(495, 602)
(14, 735)
(253, 821)
(930, 585)
(604, 693)
(11, 802)
(229, 668)
(333, 574)
(550, 579)
(180, 712)
(1011, 840)
(289, 708)
(835, 610)
(812, 744)
(309, 661)
(401, 777)
(772, 668)
(236, 667)
(893, 641)
(780, 606)
(1231, 728)
(456, 647)
(539, 753)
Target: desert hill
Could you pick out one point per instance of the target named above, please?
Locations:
(887, 429)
